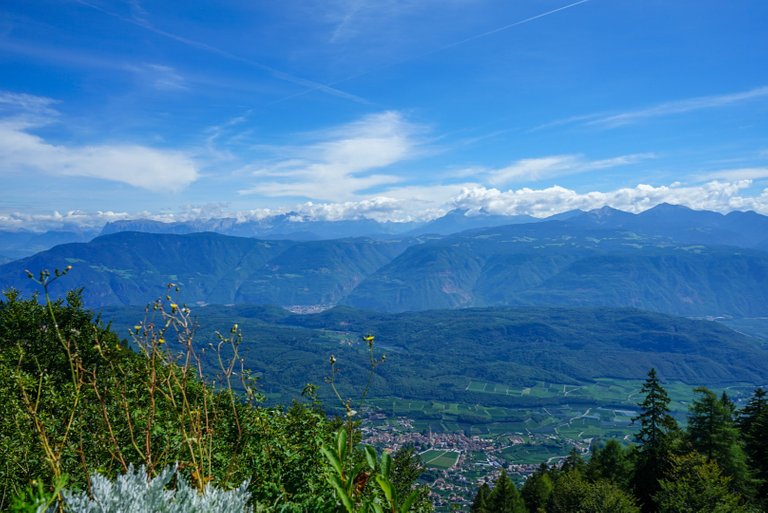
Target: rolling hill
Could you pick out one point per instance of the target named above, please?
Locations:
(433, 355)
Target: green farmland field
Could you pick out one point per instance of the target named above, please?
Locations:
(440, 459)
(601, 408)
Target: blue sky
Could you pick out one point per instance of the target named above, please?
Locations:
(389, 109)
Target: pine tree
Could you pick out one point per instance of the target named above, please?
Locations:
(480, 504)
(406, 469)
(753, 424)
(755, 410)
(656, 424)
(696, 485)
(612, 463)
(573, 461)
(657, 432)
(537, 490)
(712, 432)
(504, 497)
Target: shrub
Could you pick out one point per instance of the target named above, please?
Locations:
(134, 491)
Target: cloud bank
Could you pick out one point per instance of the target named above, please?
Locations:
(21, 150)
(719, 196)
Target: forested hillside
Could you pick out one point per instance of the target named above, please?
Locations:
(540, 264)
(436, 354)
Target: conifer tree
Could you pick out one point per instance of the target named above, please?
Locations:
(695, 485)
(612, 463)
(504, 497)
(657, 431)
(537, 490)
(656, 424)
(480, 504)
(573, 461)
(406, 469)
(753, 424)
(712, 432)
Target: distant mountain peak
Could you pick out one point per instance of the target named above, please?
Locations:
(680, 213)
(461, 219)
(667, 208)
(607, 210)
(607, 213)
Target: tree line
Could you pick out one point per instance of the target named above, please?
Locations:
(718, 463)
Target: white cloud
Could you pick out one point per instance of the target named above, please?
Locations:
(74, 219)
(716, 196)
(676, 107)
(742, 173)
(159, 76)
(341, 162)
(379, 208)
(25, 104)
(136, 165)
(558, 165)
(417, 204)
(93, 220)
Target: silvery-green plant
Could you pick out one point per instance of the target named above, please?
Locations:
(134, 492)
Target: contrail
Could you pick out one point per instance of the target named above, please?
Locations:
(505, 27)
(280, 75)
(441, 49)
(311, 85)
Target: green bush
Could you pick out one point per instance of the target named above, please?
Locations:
(78, 400)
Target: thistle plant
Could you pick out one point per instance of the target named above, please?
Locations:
(53, 433)
(96, 405)
(178, 425)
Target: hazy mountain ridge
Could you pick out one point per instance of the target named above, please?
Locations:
(654, 261)
(134, 268)
(743, 229)
(556, 263)
(283, 226)
(22, 243)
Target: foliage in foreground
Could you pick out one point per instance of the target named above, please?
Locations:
(135, 491)
(80, 402)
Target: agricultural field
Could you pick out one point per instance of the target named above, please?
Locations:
(440, 459)
(601, 409)
(498, 427)
(534, 454)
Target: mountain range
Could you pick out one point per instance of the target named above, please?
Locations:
(668, 259)
(134, 268)
(22, 243)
